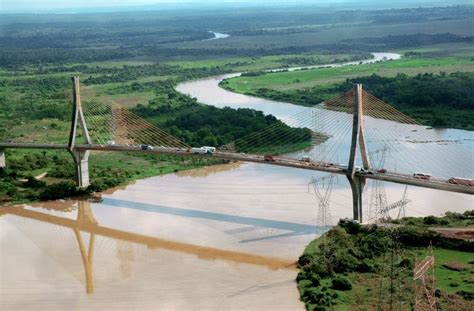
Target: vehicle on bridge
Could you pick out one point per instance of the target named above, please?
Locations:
(461, 181)
(146, 147)
(208, 148)
(422, 176)
(269, 158)
(201, 150)
(381, 171)
(305, 159)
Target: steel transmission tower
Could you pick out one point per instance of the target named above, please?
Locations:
(379, 209)
(322, 189)
(378, 198)
(425, 282)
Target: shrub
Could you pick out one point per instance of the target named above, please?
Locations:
(61, 190)
(34, 183)
(430, 220)
(406, 263)
(317, 298)
(310, 275)
(466, 295)
(366, 265)
(304, 260)
(341, 283)
(455, 266)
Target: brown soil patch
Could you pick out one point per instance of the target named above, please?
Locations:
(457, 233)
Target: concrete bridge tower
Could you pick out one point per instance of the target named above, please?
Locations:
(81, 157)
(358, 141)
(2, 158)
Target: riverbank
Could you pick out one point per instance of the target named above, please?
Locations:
(430, 105)
(372, 267)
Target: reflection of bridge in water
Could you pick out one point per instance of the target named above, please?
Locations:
(86, 223)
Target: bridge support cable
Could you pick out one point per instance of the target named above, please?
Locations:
(99, 118)
(275, 139)
(421, 148)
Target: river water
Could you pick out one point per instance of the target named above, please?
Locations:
(217, 35)
(222, 237)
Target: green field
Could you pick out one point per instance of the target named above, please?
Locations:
(301, 79)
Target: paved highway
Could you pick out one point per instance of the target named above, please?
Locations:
(395, 177)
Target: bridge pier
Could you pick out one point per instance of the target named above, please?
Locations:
(81, 159)
(357, 186)
(3, 163)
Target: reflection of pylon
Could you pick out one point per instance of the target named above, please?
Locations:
(425, 282)
(323, 220)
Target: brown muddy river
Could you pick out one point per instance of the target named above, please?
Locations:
(219, 238)
(224, 237)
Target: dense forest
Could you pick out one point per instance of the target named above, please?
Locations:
(80, 38)
(200, 125)
(434, 99)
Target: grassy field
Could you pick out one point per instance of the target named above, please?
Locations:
(238, 64)
(436, 60)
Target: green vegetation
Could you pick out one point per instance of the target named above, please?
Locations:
(107, 170)
(450, 219)
(135, 59)
(441, 100)
(368, 266)
(170, 35)
(200, 125)
(37, 109)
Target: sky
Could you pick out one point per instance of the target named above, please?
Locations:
(49, 5)
(64, 4)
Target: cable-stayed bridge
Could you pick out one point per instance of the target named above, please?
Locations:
(343, 134)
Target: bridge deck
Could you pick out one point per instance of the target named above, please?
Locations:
(395, 177)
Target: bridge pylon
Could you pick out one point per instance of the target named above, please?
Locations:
(81, 157)
(358, 142)
(3, 163)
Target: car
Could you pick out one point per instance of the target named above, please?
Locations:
(146, 147)
(422, 176)
(305, 159)
(461, 181)
(269, 158)
(111, 142)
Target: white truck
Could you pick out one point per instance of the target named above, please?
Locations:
(209, 149)
(198, 150)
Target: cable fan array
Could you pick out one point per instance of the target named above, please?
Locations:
(113, 124)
